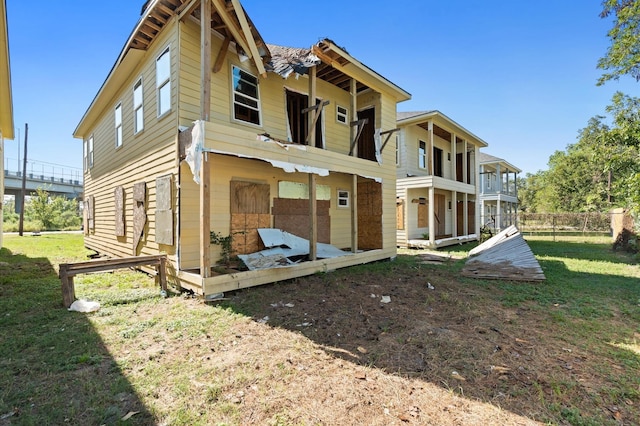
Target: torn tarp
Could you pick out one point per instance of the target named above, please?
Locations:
(281, 246)
(194, 151)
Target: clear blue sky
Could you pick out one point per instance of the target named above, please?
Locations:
(519, 74)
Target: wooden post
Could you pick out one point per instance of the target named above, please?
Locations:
(205, 218)
(354, 214)
(432, 215)
(353, 89)
(312, 103)
(313, 218)
(454, 213)
(68, 289)
(162, 273)
(454, 162)
(430, 152)
(205, 57)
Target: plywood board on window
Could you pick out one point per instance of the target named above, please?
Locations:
(399, 215)
(139, 213)
(369, 215)
(164, 213)
(249, 197)
(423, 215)
(244, 232)
(293, 216)
(118, 195)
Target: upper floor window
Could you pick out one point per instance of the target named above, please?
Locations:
(422, 155)
(85, 151)
(342, 115)
(118, 125)
(138, 112)
(163, 82)
(246, 96)
(90, 152)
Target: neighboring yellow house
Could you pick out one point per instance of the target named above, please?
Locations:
(201, 127)
(438, 181)
(6, 100)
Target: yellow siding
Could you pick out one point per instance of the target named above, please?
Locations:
(229, 168)
(142, 157)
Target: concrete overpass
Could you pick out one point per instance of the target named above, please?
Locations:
(54, 185)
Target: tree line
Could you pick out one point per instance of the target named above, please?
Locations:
(602, 169)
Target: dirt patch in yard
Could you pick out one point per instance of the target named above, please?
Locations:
(393, 342)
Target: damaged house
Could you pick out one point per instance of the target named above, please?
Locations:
(498, 192)
(201, 128)
(438, 177)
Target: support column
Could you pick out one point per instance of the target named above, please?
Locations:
(465, 164)
(205, 217)
(465, 214)
(313, 218)
(498, 179)
(454, 213)
(454, 163)
(354, 214)
(430, 152)
(353, 90)
(312, 103)
(432, 216)
(205, 170)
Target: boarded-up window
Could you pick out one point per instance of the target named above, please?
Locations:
(293, 216)
(399, 214)
(91, 223)
(118, 199)
(139, 213)
(423, 215)
(250, 210)
(164, 213)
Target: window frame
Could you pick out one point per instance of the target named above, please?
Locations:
(90, 151)
(397, 150)
(422, 155)
(138, 125)
(343, 198)
(340, 114)
(161, 85)
(117, 122)
(234, 93)
(85, 157)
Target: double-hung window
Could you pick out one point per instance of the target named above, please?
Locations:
(138, 112)
(118, 125)
(342, 114)
(90, 151)
(163, 82)
(422, 155)
(246, 96)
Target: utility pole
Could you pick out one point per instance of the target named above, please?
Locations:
(24, 179)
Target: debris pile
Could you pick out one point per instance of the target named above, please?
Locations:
(505, 256)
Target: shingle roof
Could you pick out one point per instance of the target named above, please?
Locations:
(285, 60)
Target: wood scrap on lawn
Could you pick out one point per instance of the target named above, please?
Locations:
(505, 256)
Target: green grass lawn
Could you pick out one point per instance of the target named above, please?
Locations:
(136, 360)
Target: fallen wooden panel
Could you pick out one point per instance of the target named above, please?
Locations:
(505, 256)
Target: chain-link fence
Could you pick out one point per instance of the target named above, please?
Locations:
(566, 225)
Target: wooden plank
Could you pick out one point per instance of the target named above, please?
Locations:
(205, 59)
(205, 217)
(354, 213)
(222, 54)
(313, 218)
(246, 29)
(68, 270)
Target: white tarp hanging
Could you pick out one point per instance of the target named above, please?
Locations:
(194, 152)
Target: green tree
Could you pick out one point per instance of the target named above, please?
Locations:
(53, 213)
(623, 55)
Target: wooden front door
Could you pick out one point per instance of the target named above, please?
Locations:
(366, 141)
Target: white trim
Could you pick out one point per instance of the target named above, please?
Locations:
(343, 198)
(137, 128)
(258, 107)
(117, 122)
(344, 114)
(161, 85)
